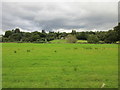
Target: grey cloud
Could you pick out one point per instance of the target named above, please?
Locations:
(119, 11)
(51, 16)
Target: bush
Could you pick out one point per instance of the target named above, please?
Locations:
(71, 39)
(92, 39)
(4, 39)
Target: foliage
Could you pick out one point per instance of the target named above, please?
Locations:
(7, 34)
(82, 36)
(117, 29)
(15, 37)
(17, 30)
(111, 36)
(73, 32)
(92, 39)
(71, 39)
(101, 35)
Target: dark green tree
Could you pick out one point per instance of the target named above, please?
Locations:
(117, 29)
(17, 30)
(73, 32)
(111, 36)
(101, 35)
(82, 36)
(8, 33)
(15, 37)
(92, 39)
(43, 31)
(34, 37)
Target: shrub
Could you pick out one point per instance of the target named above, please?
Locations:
(71, 39)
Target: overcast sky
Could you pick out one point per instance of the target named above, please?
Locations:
(59, 16)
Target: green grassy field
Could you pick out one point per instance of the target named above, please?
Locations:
(28, 65)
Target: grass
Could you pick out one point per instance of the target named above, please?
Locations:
(58, 41)
(64, 41)
(82, 41)
(28, 65)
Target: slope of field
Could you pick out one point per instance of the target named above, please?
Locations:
(28, 65)
(58, 41)
(64, 41)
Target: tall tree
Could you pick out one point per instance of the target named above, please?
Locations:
(17, 30)
(117, 29)
(111, 36)
(7, 34)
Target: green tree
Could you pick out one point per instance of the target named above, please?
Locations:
(34, 38)
(63, 35)
(8, 33)
(81, 36)
(92, 39)
(15, 37)
(101, 35)
(4, 39)
(117, 29)
(50, 36)
(73, 32)
(111, 36)
(43, 31)
(17, 30)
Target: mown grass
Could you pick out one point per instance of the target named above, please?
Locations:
(28, 65)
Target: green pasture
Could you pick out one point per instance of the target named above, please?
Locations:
(30, 65)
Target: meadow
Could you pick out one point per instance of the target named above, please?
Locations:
(53, 65)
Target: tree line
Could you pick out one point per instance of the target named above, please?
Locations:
(110, 36)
